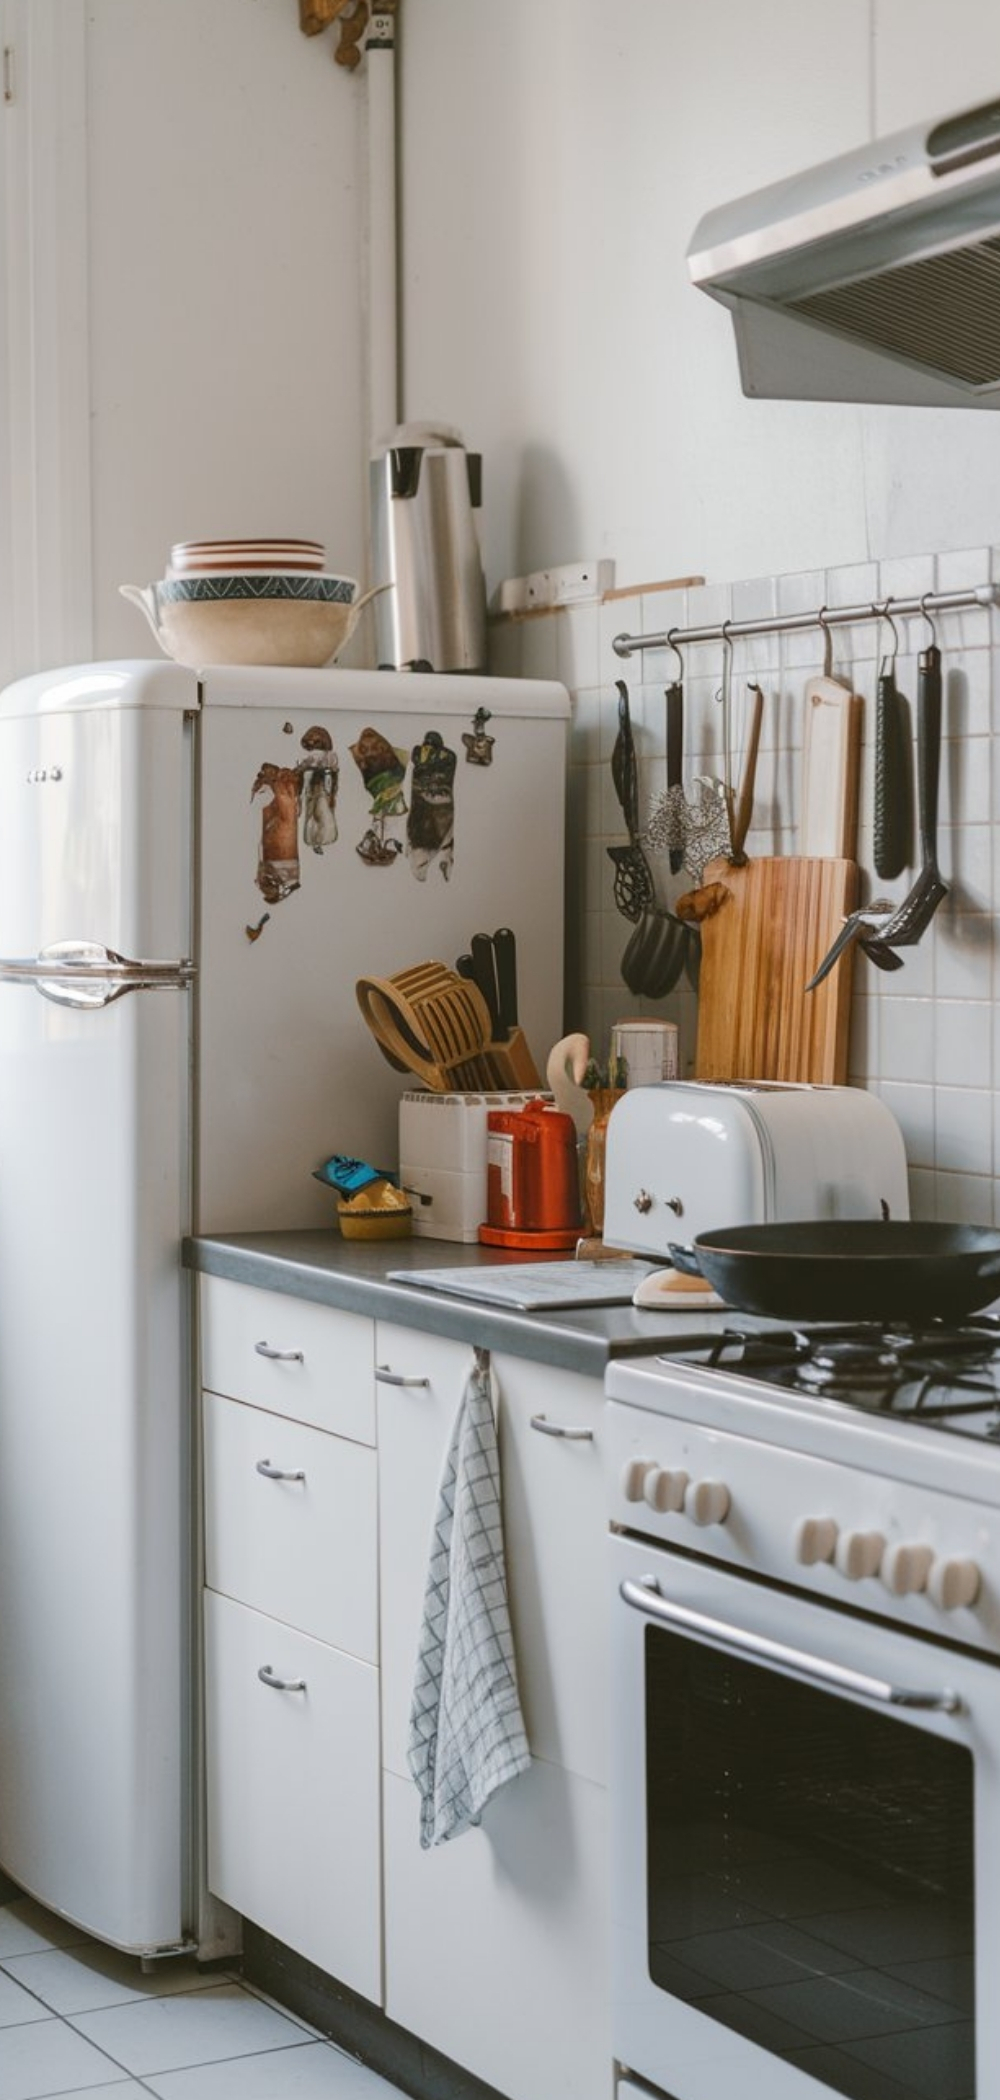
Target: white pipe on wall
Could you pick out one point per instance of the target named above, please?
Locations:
(383, 346)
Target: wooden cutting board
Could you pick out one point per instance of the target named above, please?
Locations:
(831, 762)
(755, 1018)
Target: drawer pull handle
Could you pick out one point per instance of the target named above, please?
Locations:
(387, 1377)
(280, 1684)
(275, 1473)
(279, 1356)
(546, 1428)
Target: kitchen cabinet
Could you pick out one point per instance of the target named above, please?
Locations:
(512, 1914)
(324, 1435)
(291, 1624)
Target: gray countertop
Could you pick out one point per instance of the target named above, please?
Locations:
(352, 1275)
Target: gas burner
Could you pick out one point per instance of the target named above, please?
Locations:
(940, 1376)
(852, 1365)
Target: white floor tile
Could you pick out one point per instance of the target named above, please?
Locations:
(17, 2005)
(89, 1977)
(200, 2027)
(313, 2072)
(123, 2089)
(48, 2057)
(25, 1928)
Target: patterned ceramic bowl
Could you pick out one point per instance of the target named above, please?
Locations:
(277, 627)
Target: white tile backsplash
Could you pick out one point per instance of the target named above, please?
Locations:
(923, 1036)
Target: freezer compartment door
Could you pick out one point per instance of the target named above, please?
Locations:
(95, 832)
(94, 1488)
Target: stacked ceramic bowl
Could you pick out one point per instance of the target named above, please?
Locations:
(249, 602)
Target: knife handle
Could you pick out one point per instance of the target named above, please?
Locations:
(675, 755)
(505, 953)
(891, 810)
(485, 976)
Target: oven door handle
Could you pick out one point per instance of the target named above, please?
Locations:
(647, 1597)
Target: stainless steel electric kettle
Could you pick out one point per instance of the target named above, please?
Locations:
(425, 491)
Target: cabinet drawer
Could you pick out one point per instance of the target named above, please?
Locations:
(497, 1943)
(304, 1550)
(319, 1367)
(293, 1791)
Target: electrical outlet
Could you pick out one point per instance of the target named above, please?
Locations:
(571, 584)
(580, 579)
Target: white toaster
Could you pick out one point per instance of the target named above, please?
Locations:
(687, 1158)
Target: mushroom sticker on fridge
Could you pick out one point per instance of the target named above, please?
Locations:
(320, 779)
(278, 856)
(382, 768)
(430, 826)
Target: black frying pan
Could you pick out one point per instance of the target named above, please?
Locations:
(850, 1269)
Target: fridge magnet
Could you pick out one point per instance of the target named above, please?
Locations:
(479, 746)
(320, 779)
(278, 858)
(383, 770)
(253, 933)
(430, 826)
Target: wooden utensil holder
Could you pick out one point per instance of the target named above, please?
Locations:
(430, 1021)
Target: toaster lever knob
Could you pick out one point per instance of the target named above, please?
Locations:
(815, 1540)
(707, 1501)
(952, 1583)
(664, 1490)
(859, 1553)
(633, 1480)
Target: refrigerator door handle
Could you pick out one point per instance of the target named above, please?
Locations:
(87, 974)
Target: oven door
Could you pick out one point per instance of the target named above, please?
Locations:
(801, 1798)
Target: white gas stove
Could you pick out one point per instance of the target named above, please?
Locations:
(806, 1613)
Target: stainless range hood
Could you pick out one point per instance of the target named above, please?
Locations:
(874, 277)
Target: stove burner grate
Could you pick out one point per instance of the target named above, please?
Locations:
(937, 1374)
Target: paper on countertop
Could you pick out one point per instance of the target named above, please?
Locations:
(667, 1290)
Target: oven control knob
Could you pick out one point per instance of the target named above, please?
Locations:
(706, 1501)
(815, 1539)
(634, 1477)
(905, 1569)
(952, 1583)
(665, 1491)
(858, 1553)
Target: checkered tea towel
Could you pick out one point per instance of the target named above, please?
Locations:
(466, 1733)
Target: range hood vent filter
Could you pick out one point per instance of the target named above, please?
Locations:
(943, 312)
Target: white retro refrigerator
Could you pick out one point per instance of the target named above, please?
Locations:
(194, 871)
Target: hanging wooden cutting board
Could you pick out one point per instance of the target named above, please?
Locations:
(755, 1018)
(831, 762)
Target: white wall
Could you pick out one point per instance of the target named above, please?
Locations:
(555, 161)
(226, 218)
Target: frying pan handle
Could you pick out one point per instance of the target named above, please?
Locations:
(685, 1259)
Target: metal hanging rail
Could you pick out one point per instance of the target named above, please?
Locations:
(984, 594)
